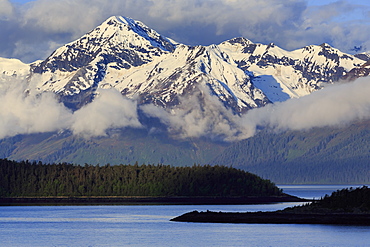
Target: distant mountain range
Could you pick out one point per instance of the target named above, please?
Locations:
(234, 77)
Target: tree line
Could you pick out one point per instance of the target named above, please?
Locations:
(349, 200)
(37, 179)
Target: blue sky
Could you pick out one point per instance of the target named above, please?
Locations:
(31, 30)
(310, 2)
(324, 2)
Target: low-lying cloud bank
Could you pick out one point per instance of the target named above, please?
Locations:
(335, 105)
(109, 110)
(25, 113)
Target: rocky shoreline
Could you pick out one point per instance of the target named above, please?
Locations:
(276, 218)
(175, 200)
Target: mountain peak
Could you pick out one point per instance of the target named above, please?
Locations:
(239, 40)
(139, 28)
(118, 39)
(117, 19)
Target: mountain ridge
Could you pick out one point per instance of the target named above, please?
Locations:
(127, 55)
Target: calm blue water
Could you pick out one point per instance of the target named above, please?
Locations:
(313, 191)
(150, 226)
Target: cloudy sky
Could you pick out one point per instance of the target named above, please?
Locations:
(31, 30)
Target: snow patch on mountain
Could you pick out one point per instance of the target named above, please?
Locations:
(271, 88)
(13, 67)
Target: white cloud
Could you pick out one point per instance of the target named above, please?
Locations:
(109, 110)
(24, 112)
(200, 115)
(6, 9)
(74, 17)
(333, 106)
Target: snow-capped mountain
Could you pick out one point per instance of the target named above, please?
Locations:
(77, 69)
(294, 73)
(127, 55)
(185, 71)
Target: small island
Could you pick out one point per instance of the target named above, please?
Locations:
(343, 207)
(35, 183)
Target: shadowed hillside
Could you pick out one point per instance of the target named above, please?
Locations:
(320, 155)
(121, 146)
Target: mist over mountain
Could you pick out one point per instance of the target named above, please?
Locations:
(122, 77)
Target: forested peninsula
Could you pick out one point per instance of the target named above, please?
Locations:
(22, 182)
(344, 207)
